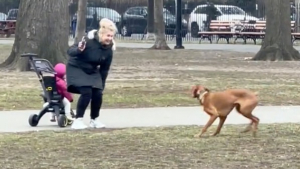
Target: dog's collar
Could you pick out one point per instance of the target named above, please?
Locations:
(201, 97)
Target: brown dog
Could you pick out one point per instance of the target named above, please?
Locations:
(220, 104)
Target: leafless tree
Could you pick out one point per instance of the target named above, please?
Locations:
(277, 43)
(81, 20)
(42, 28)
(159, 27)
(150, 20)
(297, 6)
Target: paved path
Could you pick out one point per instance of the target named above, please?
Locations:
(227, 47)
(17, 121)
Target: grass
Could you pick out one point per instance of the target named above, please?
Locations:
(148, 78)
(277, 146)
(5, 52)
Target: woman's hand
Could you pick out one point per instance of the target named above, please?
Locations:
(81, 44)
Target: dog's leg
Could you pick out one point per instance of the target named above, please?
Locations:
(208, 124)
(221, 123)
(255, 125)
(248, 128)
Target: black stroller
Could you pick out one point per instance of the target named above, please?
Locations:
(50, 93)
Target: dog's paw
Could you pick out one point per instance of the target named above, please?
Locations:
(197, 136)
(248, 58)
(215, 134)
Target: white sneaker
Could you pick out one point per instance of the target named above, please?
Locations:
(78, 124)
(69, 117)
(96, 124)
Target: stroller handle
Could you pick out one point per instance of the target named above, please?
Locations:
(30, 55)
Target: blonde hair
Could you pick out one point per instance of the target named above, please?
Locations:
(106, 25)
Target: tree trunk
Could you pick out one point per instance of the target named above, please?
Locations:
(297, 6)
(81, 20)
(109, 4)
(261, 8)
(42, 28)
(277, 43)
(159, 27)
(150, 20)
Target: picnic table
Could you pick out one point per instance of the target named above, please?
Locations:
(7, 27)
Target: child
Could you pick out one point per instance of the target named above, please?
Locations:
(61, 85)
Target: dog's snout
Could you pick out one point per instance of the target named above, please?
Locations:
(195, 92)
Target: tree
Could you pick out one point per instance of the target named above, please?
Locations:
(261, 8)
(277, 43)
(42, 28)
(81, 20)
(150, 20)
(159, 27)
(297, 6)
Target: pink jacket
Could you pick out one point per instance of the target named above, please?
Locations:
(61, 84)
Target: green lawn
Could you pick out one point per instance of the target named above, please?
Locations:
(276, 146)
(148, 78)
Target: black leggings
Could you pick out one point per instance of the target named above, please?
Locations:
(87, 94)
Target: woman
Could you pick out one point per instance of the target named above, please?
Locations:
(87, 70)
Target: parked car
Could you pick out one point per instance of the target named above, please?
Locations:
(3, 16)
(134, 21)
(12, 14)
(104, 13)
(227, 13)
(95, 14)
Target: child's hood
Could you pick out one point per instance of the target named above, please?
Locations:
(60, 70)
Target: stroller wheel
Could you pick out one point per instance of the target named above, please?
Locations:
(33, 120)
(62, 120)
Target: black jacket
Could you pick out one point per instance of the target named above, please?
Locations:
(89, 67)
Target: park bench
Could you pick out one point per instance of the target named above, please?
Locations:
(246, 30)
(295, 34)
(229, 29)
(221, 29)
(251, 30)
(7, 27)
(256, 30)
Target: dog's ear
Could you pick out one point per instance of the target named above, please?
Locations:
(194, 91)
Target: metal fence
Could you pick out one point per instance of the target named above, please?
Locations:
(131, 15)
